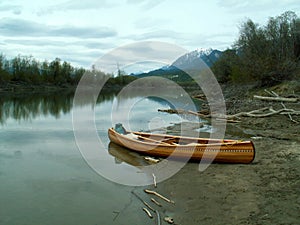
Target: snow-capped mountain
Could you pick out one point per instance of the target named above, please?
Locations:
(191, 59)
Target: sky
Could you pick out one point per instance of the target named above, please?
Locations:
(81, 31)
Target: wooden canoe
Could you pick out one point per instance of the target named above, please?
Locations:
(162, 145)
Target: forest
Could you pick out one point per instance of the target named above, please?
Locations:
(25, 70)
(267, 54)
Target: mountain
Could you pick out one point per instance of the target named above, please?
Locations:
(191, 59)
(186, 62)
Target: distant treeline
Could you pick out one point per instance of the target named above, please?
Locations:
(27, 70)
(269, 54)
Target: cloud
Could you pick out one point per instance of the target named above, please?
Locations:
(146, 4)
(16, 9)
(74, 5)
(146, 51)
(77, 52)
(218, 40)
(37, 42)
(158, 34)
(242, 7)
(149, 22)
(76, 55)
(18, 27)
(234, 3)
(83, 32)
(34, 42)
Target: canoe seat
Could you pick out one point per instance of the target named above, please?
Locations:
(171, 141)
(192, 143)
(131, 136)
(152, 140)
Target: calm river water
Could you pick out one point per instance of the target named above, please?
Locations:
(43, 176)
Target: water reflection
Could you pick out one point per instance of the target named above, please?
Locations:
(31, 106)
(123, 155)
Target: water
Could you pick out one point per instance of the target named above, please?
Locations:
(43, 176)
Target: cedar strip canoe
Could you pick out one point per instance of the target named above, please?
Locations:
(162, 145)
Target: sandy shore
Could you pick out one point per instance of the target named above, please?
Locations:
(266, 191)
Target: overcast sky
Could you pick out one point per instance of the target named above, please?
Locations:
(80, 31)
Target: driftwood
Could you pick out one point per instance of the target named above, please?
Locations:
(259, 113)
(148, 213)
(156, 202)
(154, 179)
(169, 220)
(278, 99)
(158, 195)
(145, 203)
(201, 97)
(283, 105)
(152, 160)
(148, 206)
(182, 111)
(262, 112)
(228, 120)
(254, 113)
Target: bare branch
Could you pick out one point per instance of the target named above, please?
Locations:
(279, 99)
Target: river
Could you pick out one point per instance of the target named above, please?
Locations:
(43, 177)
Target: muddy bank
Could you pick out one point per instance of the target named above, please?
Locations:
(264, 192)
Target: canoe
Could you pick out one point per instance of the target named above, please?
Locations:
(162, 145)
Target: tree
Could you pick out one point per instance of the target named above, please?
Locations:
(252, 45)
(55, 69)
(296, 38)
(4, 74)
(66, 72)
(228, 66)
(33, 71)
(269, 53)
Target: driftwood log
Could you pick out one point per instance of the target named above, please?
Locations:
(258, 113)
(182, 111)
(283, 105)
(276, 98)
(263, 112)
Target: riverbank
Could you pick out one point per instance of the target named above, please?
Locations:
(21, 88)
(264, 192)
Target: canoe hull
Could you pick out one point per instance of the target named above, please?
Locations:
(225, 152)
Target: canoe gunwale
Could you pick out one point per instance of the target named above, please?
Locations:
(211, 143)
